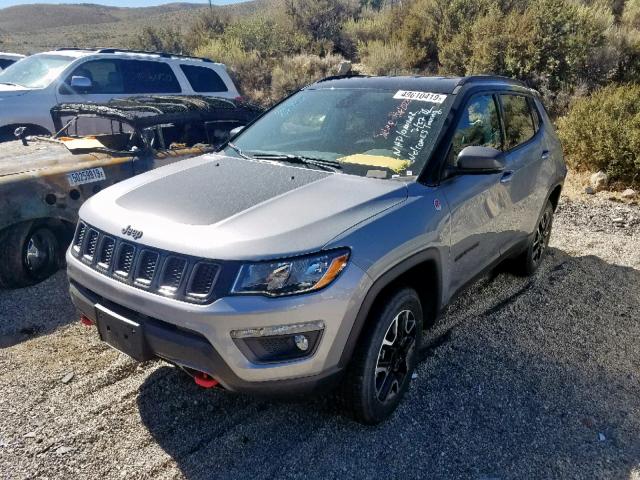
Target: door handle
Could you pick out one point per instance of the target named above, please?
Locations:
(507, 176)
(545, 155)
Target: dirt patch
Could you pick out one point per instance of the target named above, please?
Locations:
(525, 378)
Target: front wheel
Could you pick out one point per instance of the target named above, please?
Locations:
(382, 366)
(29, 253)
(529, 261)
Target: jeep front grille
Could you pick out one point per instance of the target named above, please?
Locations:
(107, 247)
(202, 280)
(164, 273)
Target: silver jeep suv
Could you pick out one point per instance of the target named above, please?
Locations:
(315, 249)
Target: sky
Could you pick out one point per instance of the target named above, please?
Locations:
(128, 3)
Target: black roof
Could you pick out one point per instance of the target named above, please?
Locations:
(146, 111)
(430, 84)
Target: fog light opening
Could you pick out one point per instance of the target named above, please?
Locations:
(302, 342)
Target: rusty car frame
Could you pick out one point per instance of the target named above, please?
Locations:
(45, 180)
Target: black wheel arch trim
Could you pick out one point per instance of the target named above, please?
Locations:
(386, 279)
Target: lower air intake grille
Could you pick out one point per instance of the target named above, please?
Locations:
(157, 271)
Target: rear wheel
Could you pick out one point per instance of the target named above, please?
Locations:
(382, 366)
(529, 261)
(29, 253)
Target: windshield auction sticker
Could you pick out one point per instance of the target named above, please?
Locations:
(419, 96)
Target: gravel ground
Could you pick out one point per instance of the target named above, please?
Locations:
(525, 378)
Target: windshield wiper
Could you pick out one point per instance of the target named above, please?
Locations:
(329, 165)
(239, 151)
(10, 83)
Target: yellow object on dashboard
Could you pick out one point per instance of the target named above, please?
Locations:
(391, 163)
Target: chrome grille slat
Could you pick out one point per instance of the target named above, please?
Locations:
(202, 279)
(147, 267)
(79, 236)
(91, 244)
(107, 247)
(172, 274)
(124, 259)
(157, 271)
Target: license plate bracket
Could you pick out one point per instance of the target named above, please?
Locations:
(123, 334)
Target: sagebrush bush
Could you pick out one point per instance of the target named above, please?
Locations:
(250, 72)
(295, 72)
(602, 132)
(383, 58)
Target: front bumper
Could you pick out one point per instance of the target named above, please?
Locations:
(199, 336)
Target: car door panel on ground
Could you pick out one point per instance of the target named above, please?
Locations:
(525, 158)
(478, 203)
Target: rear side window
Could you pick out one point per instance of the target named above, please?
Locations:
(148, 77)
(4, 63)
(203, 79)
(518, 120)
(478, 126)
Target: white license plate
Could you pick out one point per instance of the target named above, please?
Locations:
(86, 176)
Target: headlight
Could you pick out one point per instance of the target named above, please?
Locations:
(291, 276)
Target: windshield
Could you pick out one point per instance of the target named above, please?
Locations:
(374, 133)
(36, 71)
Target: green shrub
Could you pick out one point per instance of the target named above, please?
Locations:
(602, 132)
(250, 72)
(292, 73)
(380, 58)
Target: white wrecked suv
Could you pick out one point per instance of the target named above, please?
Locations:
(315, 249)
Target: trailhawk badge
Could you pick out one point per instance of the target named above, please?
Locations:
(135, 234)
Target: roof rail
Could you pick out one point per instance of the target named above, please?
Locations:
(500, 78)
(145, 52)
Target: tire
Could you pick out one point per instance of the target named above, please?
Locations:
(528, 262)
(369, 397)
(29, 253)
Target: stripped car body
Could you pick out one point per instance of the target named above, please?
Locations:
(45, 180)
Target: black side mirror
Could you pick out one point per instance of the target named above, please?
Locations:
(480, 160)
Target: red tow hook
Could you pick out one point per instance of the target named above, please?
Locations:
(204, 380)
(84, 320)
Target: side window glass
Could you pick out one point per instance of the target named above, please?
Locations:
(203, 79)
(104, 75)
(149, 77)
(517, 119)
(478, 126)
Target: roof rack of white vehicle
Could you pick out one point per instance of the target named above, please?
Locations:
(145, 52)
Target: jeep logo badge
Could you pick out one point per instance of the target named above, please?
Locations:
(135, 234)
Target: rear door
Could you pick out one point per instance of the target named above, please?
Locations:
(477, 202)
(525, 157)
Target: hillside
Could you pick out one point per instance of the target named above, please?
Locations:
(38, 27)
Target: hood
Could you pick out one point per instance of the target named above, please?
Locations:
(229, 208)
(15, 158)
